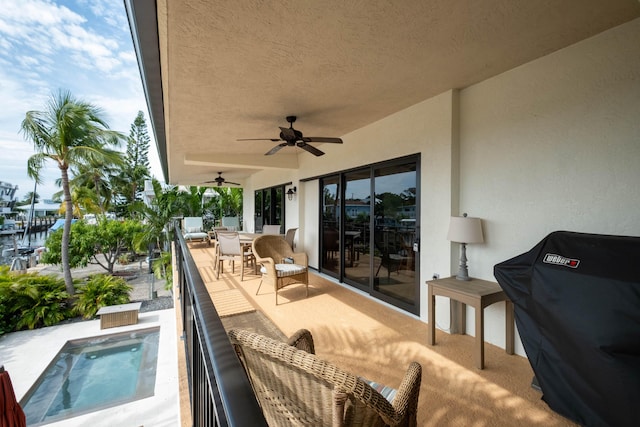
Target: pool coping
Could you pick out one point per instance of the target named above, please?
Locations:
(26, 354)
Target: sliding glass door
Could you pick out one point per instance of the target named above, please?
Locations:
(370, 229)
(395, 233)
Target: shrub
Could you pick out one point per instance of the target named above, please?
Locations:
(162, 268)
(7, 322)
(101, 290)
(31, 301)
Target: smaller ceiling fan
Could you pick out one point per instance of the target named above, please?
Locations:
(220, 180)
(293, 137)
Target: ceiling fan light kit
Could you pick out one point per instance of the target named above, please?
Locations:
(294, 138)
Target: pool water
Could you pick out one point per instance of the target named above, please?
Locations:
(92, 374)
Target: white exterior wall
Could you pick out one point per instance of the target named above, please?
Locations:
(551, 145)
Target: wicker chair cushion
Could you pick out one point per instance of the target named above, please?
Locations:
(388, 393)
(286, 270)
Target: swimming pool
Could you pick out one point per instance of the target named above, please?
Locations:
(94, 373)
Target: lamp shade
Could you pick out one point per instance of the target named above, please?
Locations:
(464, 229)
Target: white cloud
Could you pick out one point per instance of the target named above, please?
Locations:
(105, 10)
(45, 28)
(37, 12)
(27, 61)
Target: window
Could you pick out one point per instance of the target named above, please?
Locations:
(269, 207)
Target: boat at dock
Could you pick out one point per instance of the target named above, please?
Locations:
(10, 227)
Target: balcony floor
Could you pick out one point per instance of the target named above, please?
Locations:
(371, 340)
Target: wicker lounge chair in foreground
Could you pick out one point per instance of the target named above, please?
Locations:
(294, 387)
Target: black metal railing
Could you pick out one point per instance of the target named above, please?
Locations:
(219, 390)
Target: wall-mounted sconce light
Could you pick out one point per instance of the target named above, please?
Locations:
(291, 192)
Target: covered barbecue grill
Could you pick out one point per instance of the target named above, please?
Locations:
(577, 309)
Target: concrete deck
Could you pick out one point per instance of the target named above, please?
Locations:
(26, 354)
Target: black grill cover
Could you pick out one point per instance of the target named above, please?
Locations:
(577, 308)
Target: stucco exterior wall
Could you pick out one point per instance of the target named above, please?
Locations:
(551, 145)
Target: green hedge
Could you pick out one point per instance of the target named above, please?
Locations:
(29, 301)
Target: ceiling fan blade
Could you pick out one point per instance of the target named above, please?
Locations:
(275, 149)
(232, 183)
(322, 139)
(313, 150)
(259, 139)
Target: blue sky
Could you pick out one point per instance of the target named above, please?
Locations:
(83, 46)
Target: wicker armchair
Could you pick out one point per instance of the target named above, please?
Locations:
(295, 387)
(280, 265)
(302, 340)
(290, 235)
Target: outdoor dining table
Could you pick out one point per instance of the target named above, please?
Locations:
(248, 238)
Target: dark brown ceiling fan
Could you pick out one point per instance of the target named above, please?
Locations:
(293, 137)
(220, 180)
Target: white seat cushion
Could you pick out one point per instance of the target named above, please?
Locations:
(284, 270)
(198, 235)
(386, 392)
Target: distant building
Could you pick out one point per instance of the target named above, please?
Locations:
(41, 209)
(7, 197)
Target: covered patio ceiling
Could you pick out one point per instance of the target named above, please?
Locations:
(216, 71)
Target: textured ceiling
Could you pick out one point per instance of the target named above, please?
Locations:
(235, 69)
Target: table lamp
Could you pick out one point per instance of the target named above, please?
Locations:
(464, 230)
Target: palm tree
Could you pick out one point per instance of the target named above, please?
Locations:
(158, 215)
(229, 201)
(83, 199)
(69, 132)
(190, 200)
(95, 175)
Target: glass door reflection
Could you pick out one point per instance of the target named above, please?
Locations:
(357, 216)
(395, 233)
(330, 243)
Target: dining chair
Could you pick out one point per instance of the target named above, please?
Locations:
(229, 248)
(271, 229)
(290, 235)
(213, 239)
(231, 222)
